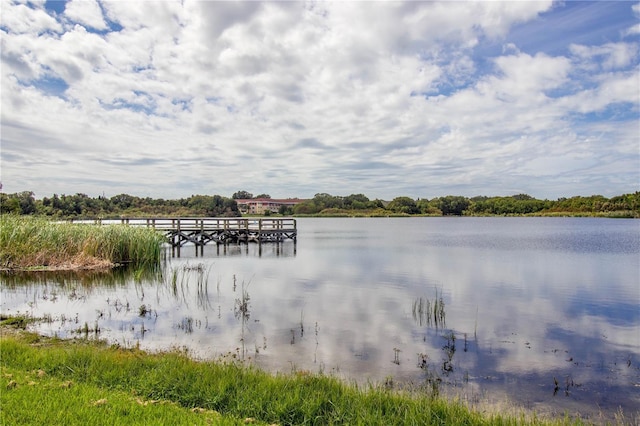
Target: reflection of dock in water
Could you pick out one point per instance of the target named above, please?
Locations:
(221, 231)
(277, 249)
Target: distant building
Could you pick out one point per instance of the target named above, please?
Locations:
(261, 205)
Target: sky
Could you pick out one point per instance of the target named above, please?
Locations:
(168, 99)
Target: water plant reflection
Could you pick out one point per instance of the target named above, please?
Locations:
(504, 320)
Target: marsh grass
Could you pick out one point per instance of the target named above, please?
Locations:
(31, 242)
(84, 380)
(429, 312)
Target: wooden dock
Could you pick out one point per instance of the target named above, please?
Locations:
(201, 231)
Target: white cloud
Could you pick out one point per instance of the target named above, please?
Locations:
(634, 29)
(611, 89)
(524, 76)
(85, 12)
(609, 56)
(21, 18)
(302, 98)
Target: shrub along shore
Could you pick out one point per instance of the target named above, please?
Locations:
(37, 243)
(78, 382)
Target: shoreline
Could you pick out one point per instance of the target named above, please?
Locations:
(102, 265)
(68, 265)
(489, 411)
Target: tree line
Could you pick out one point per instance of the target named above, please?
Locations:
(452, 205)
(81, 205)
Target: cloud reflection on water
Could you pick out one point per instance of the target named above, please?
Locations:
(521, 315)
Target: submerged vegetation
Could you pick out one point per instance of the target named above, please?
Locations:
(31, 242)
(429, 313)
(84, 381)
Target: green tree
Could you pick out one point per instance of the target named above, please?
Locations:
(327, 201)
(427, 207)
(207, 205)
(27, 202)
(285, 210)
(306, 207)
(229, 207)
(453, 205)
(9, 204)
(355, 202)
(242, 195)
(522, 197)
(375, 204)
(124, 201)
(405, 205)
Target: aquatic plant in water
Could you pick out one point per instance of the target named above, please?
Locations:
(429, 313)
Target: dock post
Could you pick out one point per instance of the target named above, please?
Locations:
(196, 236)
(201, 239)
(179, 235)
(172, 234)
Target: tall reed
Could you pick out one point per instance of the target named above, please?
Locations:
(28, 242)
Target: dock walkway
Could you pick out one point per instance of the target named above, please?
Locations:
(203, 230)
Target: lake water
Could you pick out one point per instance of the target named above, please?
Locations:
(541, 312)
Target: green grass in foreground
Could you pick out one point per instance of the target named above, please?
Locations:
(31, 242)
(50, 381)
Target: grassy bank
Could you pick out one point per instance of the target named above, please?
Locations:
(50, 381)
(31, 242)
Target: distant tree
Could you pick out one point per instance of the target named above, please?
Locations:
(375, 204)
(201, 204)
(285, 210)
(123, 201)
(479, 198)
(323, 201)
(263, 196)
(242, 195)
(306, 207)
(355, 202)
(427, 208)
(27, 202)
(230, 207)
(452, 205)
(592, 203)
(625, 202)
(522, 197)
(82, 205)
(213, 206)
(9, 203)
(405, 205)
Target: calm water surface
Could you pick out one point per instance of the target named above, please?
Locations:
(490, 309)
